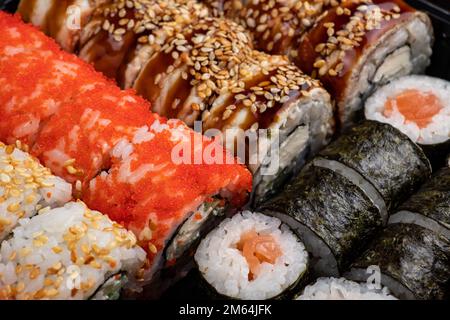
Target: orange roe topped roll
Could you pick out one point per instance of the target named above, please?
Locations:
(36, 79)
(154, 176)
(145, 191)
(77, 140)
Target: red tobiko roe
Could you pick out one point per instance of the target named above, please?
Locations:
(159, 198)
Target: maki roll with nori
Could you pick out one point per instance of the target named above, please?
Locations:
(343, 289)
(251, 256)
(333, 217)
(159, 193)
(430, 206)
(342, 198)
(383, 156)
(413, 253)
(413, 262)
(419, 107)
(26, 187)
(69, 253)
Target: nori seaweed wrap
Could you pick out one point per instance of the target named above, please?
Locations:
(383, 156)
(414, 262)
(333, 217)
(430, 206)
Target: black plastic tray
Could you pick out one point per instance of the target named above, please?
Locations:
(439, 12)
(9, 5)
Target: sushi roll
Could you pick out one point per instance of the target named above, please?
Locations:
(358, 46)
(430, 206)
(157, 177)
(343, 289)
(123, 35)
(418, 106)
(332, 216)
(275, 25)
(412, 262)
(251, 256)
(78, 140)
(153, 46)
(210, 72)
(61, 20)
(69, 252)
(36, 78)
(383, 156)
(67, 113)
(26, 187)
(341, 199)
(168, 205)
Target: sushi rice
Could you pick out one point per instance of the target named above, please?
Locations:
(226, 269)
(56, 249)
(66, 253)
(26, 187)
(343, 289)
(437, 130)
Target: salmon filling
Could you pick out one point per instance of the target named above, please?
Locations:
(256, 249)
(416, 106)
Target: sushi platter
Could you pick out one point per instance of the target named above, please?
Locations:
(225, 150)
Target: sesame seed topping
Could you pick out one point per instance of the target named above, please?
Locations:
(150, 20)
(216, 56)
(152, 248)
(363, 19)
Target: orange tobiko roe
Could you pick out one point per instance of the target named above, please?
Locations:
(86, 129)
(36, 78)
(256, 249)
(416, 106)
(76, 113)
(161, 198)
